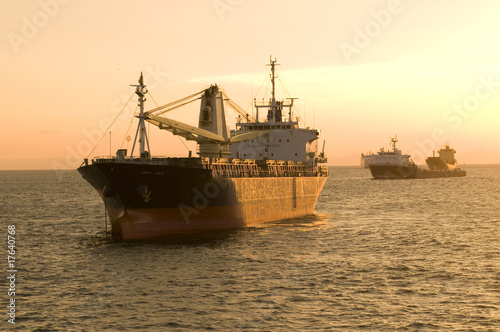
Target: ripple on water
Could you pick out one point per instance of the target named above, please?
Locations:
(377, 256)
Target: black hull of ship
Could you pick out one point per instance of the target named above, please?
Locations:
(436, 164)
(148, 201)
(412, 172)
(393, 172)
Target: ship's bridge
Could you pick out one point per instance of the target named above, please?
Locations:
(284, 141)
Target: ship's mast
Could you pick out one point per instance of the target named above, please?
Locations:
(274, 108)
(273, 76)
(394, 141)
(141, 128)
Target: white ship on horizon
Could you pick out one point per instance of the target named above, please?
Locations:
(386, 157)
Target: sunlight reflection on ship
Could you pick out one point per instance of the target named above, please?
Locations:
(199, 239)
(314, 221)
(305, 223)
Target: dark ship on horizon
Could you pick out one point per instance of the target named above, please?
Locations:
(265, 170)
(444, 162)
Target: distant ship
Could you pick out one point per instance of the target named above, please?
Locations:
(370, 158)
(392, 164)
(396, 165)
(266, 170)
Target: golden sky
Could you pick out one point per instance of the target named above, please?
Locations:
(362, 70)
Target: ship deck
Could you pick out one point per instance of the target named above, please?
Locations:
(227, 167)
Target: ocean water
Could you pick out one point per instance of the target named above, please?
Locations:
(395, 255)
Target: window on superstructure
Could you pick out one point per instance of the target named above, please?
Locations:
(206, 113)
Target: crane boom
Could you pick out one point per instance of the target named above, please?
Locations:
(162, 108)
(196, 134)
(182, 129)
(238, 109)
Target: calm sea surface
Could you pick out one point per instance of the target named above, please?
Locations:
(400, 255)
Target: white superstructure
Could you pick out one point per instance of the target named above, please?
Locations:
(284, 140)
(391, 158)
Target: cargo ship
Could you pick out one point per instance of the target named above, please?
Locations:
(392, 164)
(382, 155)
(266, 169)
(396, 165)
(444, 162)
